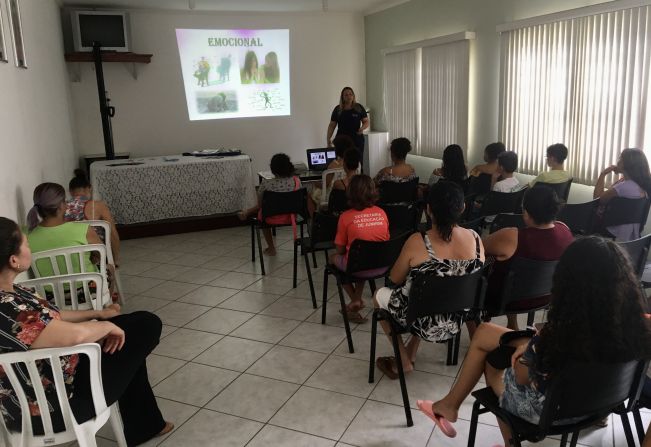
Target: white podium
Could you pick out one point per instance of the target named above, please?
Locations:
(376, 152)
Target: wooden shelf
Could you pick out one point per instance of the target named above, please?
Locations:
(109, 56)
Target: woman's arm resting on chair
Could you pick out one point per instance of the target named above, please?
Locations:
(61, 334)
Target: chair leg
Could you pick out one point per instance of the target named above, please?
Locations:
(456, 347)
(252, 243)
(325, 296)
(314, 259)
(118, 427)
(474, 419)
(295, 263)
(575, 438)
(564, 440)
(450, 357)
(371, 361)
(638, 424)
(401, 376)
(349, 336)
(257, 233)
(530, 317)
(627, 430)
(309, 279)
(371, 284)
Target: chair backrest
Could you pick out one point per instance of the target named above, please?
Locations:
(579, 217)
(638, 252)
(276, 203)
(590, 389)
(475, 224)
(323, 228)
(479, 185)
(336, 174)
(432, 294)
(507, 220)
(106, 229)
(403, 217)
(78, 285)
(68, 260)
(338, 202)
(620, 211)
(394, 192)
(372, 255)
(22, 366)
(562, 190)
(527, 279)
(502, 202)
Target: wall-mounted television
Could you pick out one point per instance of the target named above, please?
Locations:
(109, 28)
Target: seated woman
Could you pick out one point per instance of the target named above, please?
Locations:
(399, 171)
(634, 183)
(556, 155)
(363, 221)
(445, 249)
(342, 143)
(491, 153)
(542, 239)
(81, 206)
(337, 200)
(453, 169)
(29, 322)
(48, 230)
(596, 315)
(284, 181)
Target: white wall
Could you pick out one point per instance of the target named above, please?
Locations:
(327, 53)
(35, 118)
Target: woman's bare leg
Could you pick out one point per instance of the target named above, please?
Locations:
(647, 438)
(268, 237)
(512, 322)
(412, 348)
(495, 380)
(405, 356)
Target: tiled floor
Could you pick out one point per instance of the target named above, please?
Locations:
(244, 360)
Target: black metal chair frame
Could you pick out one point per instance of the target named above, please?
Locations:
(620, 211)
(564, 392)
(363, 256)
(407, 215)
(506, 220)
(562, 189)
(579, 217)
(323, 229)
(394, 192)
(638, 251)
(453, 294)
(273, 204)
(523, 282)
(502, 202)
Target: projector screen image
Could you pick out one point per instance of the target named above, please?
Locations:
(235, 73)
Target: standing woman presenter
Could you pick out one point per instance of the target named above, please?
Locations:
(349, 118)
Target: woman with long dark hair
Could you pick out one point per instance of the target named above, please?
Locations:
(596, 314)
(454, 167)
(634, 183)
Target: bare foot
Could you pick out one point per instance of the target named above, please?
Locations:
(448, 412)
(168, 428)
(270, 251)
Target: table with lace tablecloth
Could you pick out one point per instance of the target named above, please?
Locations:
(173, 187)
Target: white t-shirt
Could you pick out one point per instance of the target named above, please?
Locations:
(507, 185)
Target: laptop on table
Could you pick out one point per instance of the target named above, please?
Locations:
(319, 159)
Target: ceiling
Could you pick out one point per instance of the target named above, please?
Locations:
(360, 6)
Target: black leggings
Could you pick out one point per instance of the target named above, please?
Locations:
(124, 376)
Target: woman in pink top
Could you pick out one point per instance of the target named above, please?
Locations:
(363, 221)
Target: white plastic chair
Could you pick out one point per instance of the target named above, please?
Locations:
(73, 283)
(104, 225)
(325, 191)
(84, 433)
(67, 254)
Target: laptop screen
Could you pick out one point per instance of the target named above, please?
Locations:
(319, 159)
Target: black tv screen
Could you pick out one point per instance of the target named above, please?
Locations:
(108, 30)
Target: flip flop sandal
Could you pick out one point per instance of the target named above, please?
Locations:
(385, 364)
(354, 317)
(443, 424)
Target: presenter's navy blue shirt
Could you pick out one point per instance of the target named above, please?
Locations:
(349, 121)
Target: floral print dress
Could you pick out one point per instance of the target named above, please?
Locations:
(23, 316)
(440, 327)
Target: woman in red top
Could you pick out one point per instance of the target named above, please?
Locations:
(543, 239)
(363, 221)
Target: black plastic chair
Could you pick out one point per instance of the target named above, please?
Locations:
(589, 391)
(323, 230)
(579, 217)
(394, 192)
(642, 402)
(430, 295)
(621, 211)
(507, 221)
(562, 190)
(479, 185)
(337, 201)
(525, 288)
(403, 217)
(274, 204)
(502, 202)
(476, 225)
(638, 252)
(363, 256)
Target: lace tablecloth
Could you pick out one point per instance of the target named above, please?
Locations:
(160, 188)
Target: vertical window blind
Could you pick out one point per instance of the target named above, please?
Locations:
(582, 82)
(426, 93)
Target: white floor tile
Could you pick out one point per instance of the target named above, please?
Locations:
(195, 384)
(186, 344)
(180, 314)
(267, 329)
(281, 437)
(233, 353)
(220, 321)
(315, 337)
(170, 290)
(248, 301)
(289, 364)
(208, 295)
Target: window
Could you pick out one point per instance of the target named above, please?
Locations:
(581, 81)
(426, 93)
